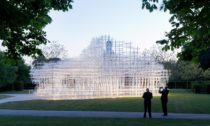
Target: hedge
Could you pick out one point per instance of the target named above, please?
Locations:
(201, 86)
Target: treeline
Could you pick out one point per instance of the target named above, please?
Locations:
(183, 74)
(186, 71)
(14, 74)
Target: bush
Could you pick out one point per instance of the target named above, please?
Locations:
(19, 86)
(201, 86)
(179, 85)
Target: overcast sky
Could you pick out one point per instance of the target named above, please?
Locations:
(121, 19)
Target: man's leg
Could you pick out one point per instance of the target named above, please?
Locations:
(149, 110)
(145, 110)
(162, 103)
(166, 111)
(165, 108)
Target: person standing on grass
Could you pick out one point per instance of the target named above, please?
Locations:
(164, 99)
(147, 102)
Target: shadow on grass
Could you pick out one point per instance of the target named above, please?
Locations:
(58, 121)
(180, 101)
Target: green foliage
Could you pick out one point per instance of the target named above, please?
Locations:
(23, 76)
(204, 59)
(7, 71)
(186, 71)
(200, 83)
(191, 27)
(201, 86)
(147, 4)
(13, 72)
(40, 60)
(22, 23)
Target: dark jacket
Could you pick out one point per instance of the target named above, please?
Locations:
(164, 95)
(147, 97)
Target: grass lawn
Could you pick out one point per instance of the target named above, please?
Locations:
(179, 102)
(58, 121)
(4, 96)
(17, 92)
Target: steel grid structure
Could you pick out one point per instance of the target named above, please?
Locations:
(106, 68)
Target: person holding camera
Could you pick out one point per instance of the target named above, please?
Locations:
(164, 99)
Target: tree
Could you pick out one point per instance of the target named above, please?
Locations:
(179, 70)
(39, 61)
(190, 20)
(188, 71)
(54, 50)
(22, 75)
(14, 72)
(162, 56)
(167, 59)
(7, 76)
(22, 23)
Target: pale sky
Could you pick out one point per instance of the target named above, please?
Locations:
(121, 19)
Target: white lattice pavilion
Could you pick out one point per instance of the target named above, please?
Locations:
(106, 68)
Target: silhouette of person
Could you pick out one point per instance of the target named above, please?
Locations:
(164, 99)
(147, 102)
